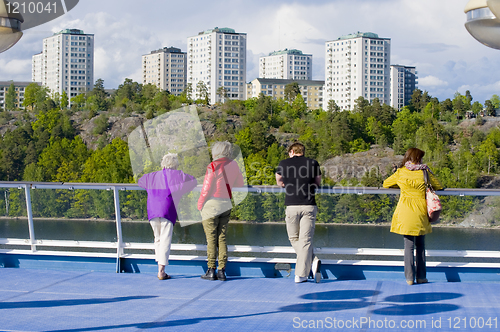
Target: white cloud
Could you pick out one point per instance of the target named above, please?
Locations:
(483, 90)
(14, 67)
(431, 81)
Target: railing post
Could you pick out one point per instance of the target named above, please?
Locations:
(119, 242)
(27, 191)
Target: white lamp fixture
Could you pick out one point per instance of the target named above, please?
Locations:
(483, 21)
(10, 27)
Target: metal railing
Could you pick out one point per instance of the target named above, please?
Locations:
(120, 245)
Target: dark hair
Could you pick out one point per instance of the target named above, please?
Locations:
(414, 155)
(297, 148)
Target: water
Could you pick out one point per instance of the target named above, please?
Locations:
(326, 235)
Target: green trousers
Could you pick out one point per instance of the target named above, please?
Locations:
(215, 214)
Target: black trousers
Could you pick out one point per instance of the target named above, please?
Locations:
(412, 243)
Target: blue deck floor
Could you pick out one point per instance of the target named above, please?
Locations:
(43, 300)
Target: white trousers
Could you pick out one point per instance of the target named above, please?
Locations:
(163, 230)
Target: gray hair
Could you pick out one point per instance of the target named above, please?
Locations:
(170, 160)
(222, 149)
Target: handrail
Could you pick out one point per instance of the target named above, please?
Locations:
(360, 190)
(256, 249)
(119, 245)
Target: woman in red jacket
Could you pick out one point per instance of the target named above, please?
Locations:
(215, 205)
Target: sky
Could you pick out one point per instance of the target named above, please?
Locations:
(427, 34)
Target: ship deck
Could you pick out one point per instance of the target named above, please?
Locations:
(65, 300)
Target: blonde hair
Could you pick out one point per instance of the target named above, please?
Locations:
(170, 160)
(221, 150)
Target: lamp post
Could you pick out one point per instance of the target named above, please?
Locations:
(483, 21)
(10, 26)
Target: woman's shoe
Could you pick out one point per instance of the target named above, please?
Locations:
(409, 282)
(164, 277)
(422, 281)
(221, 274)
(210, 275)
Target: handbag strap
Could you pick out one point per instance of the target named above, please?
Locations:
(426, 179)
(228, 187)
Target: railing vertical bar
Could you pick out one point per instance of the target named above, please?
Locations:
(119, 242)
(27, 191)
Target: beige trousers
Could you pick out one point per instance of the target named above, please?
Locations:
(300, 221)
(163, 230)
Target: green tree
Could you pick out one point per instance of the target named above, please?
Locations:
(477, 107)
(78, 101)
(42, 95)
(299, 106)
(341, 133)
(292, 90)
(186, 96)
(129, 91)
(490, 109)
(459, 105)
(464, 166)
(332, 106)
(30, 95)
(250, 209)
(98, 98)
(202, 93)
(13, 152)
(222, 93)
(495, 100)
(10, 98)
(273, 206)
(63, 160)
(468, 100)
(64, 100)
(404, 128)
(419, 100)
(109, 165)
(258, 170)
(377, 131)
(489, 155)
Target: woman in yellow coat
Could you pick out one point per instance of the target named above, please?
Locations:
(410, 217)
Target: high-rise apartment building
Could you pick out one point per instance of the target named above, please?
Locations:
(403, 82)
(217, 57)
(166, 68)
(66, 62)
(286, 64)
(357, 65)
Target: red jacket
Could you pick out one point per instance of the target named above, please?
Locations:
(215, 185)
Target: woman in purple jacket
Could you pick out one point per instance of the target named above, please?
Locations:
(165, 189)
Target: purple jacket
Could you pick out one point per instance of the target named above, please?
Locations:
(165, 189)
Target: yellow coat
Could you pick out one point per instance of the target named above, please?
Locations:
(410, 216)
